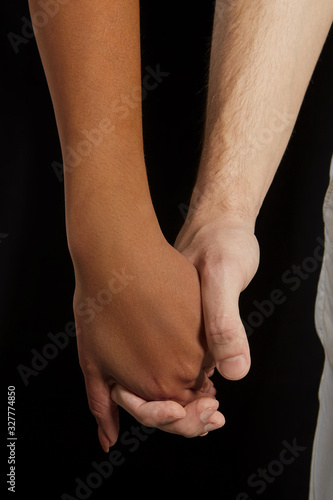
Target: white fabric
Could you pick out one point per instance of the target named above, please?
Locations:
(321, 483)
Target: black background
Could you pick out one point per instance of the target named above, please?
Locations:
(277, 402)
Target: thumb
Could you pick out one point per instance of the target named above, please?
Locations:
(104, 410)
(225, 333)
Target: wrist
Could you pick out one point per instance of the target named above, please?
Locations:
(209, 203)
(108, 229)
(211, 239)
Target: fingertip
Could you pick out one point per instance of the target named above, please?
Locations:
(217, 419)
(234, 368)
(105, 441)
(179, 413)
(206, 406)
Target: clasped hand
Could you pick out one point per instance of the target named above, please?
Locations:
(158, 333)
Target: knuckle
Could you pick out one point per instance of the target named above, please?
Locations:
(160, 389)
(97, 408)
(224, 330)
(158, 415)
(186, 375)
(190, 372)
(88, 366)
(166, 390)
(191, 376)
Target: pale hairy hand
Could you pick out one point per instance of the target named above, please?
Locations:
(225, 252)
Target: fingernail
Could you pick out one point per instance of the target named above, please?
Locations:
(104, 440)
(233, 368)
(105, 448)
(206, 414)
(212, 427)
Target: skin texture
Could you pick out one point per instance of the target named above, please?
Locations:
(147, 333)
(262, 58)
(263, 55)
(137, 299)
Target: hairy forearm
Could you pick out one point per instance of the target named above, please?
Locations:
(91, 56)
(262, 57)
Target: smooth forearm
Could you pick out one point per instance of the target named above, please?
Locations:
(262, 58)
(91, 56)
